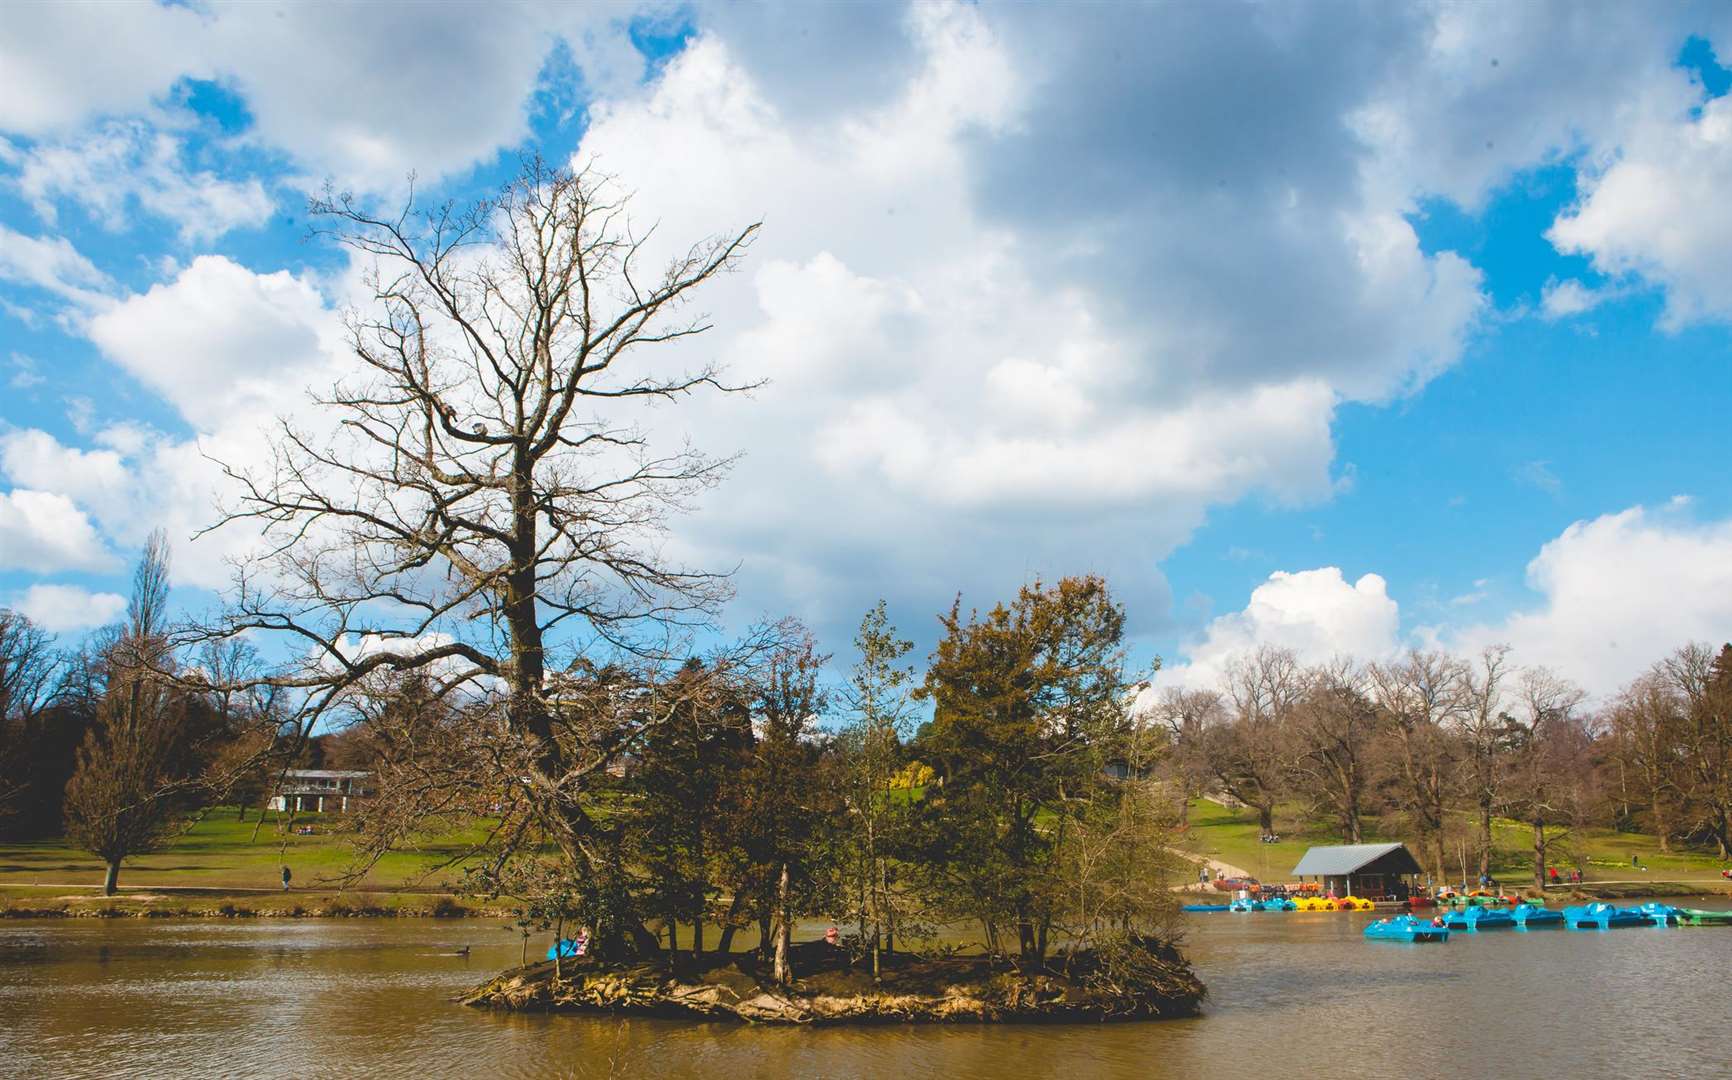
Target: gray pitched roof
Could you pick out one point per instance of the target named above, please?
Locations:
(1348, 858)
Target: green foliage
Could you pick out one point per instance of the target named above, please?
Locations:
(1030, 707)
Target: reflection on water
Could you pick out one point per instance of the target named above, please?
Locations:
(1295, 992)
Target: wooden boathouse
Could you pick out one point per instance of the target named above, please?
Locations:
(1373, 871)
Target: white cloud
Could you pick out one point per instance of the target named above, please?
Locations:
(1617, 593)
(1316, 613)
(26, 374)
(51, 264)
(43, 532)
(1564, 299)
(127, 163)
(66, 62)
(97, 479)
(1659, 209)
(377, 68)
(992, 386)
(220, 342)
(230, 350)
(63, 608)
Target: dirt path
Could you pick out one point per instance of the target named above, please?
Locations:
(1215, 866)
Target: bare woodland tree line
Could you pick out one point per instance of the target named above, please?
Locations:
(1435, 747)
(465, 557)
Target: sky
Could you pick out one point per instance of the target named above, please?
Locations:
(1346, 328)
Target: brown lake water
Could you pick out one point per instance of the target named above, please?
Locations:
(1291, 994)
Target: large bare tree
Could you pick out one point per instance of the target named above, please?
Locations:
(1418, 698)
(1330, 732)
(1248, 757)
(139, 768)
(477, 506)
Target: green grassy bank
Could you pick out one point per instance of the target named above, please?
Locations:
(222, 860)
(1231, 836)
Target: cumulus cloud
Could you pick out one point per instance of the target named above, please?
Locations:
(1659, 209)
(1316, 613)
(1028, 343)
(230, 350)
(1617, 593)
(61, 609)
(44, 532)
(221, 342)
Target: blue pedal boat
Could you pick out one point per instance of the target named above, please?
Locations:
(1659, 914)
(1603, 916)
(1485, 918)
(1529, 916)
(1271, 904)
(1204, 907)
(1407, 928)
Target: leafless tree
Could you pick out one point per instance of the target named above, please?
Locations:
(1418, 699)
(1487, 731)
(1550, 760)
(1702, 679)
(133, 774)
(1330, 734)
(1247, 757)
(484, 512)
(1186, 718)
(1646, 724)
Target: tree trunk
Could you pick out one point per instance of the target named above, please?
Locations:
(558, 948)
(113, 876)
(1485, 836)
(1025, 941)
(1539, 855)
(784, 932)
(734, 905)
(1266, 819)
(765, 941)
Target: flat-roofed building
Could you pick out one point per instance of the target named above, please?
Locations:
(320, 791)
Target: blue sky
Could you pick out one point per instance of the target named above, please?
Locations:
(1344, 330)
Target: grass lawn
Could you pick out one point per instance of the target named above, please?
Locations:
(1231, 836)
(221, 853)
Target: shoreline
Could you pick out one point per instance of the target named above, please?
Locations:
(311, 907)
(264, 904)
(1148, 979)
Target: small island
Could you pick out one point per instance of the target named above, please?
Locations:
(1143, 978)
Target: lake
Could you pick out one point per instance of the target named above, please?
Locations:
(1294, 992)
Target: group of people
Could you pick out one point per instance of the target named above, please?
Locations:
(1552, 876)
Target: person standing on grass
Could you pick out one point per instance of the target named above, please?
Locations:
(286, 876)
